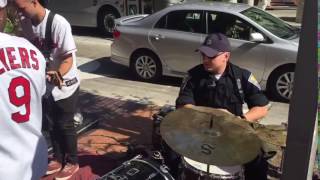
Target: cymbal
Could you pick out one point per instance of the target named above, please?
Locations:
(210, 136)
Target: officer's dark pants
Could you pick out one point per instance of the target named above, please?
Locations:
(172, 160)
(256, 169)
(62, 132)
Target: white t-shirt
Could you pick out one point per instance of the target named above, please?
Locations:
(63, 44)
(23, 149)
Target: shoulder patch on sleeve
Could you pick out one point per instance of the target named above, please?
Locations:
(185, 81)
(254, 81)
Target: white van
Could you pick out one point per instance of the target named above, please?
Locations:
(101, 13)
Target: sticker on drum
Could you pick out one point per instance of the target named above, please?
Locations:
(138, 168)
(194, 169)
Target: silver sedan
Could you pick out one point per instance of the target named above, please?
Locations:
(164, 43)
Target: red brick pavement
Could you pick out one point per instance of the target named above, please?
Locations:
(120, 122)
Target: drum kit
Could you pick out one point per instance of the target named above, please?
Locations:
(213, 145)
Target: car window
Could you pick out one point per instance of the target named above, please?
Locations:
(271, 23)
(161, 24)
(132, 9)
(187, 21)
(230, 25)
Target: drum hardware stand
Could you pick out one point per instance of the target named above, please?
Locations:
(211, 125)
(282, 158)
(208, 169)
(158, 156)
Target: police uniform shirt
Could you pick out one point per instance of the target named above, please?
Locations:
(201, 88)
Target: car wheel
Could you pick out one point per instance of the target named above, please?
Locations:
(106, 21)
(281, 83)
(146, 66)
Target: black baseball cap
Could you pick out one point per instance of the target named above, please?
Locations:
(214, 44)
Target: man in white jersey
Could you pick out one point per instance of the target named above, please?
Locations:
(23, 149)
(62, 60)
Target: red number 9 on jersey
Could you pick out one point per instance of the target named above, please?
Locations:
(21, 100)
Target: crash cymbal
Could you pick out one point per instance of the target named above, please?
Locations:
(210, 136)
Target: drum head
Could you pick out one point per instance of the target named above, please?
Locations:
(218, 170)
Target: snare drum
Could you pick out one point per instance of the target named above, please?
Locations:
(139, 168)
(193, 170)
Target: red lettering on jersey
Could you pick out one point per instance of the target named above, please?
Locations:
(12, 58)
(25, 63)
(33, 55)
(3, 61)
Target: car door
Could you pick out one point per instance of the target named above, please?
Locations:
(175, 38)
(246, 54)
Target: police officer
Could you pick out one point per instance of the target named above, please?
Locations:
(217, 83)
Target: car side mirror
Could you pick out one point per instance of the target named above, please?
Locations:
(256, 37)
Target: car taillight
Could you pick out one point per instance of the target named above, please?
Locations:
(116, 34)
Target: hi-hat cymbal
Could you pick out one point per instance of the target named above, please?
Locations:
(210, 136)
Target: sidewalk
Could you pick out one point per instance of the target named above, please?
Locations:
(286, 14)
(121, 124)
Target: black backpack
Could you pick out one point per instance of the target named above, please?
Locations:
(48, 44)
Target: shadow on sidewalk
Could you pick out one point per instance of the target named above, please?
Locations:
(110, 69)
(120, 124)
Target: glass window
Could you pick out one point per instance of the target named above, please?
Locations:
(271, 23)
(188, 21)
(133, 9)
(230, 25)
(161, 23)
(147, 7)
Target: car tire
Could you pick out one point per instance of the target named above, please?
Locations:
(146, 66)
(106, 21)
(280, 85)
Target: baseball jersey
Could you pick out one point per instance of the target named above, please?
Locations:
(63, 44)
(23, 149)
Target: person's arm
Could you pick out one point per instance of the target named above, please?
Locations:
(64, 68)
(65, 46)
(256, 113)
(66, 64)
(185, 106)
(64, 42)
(256, 100)
(186, 98)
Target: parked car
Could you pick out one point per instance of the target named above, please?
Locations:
(164, 43)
